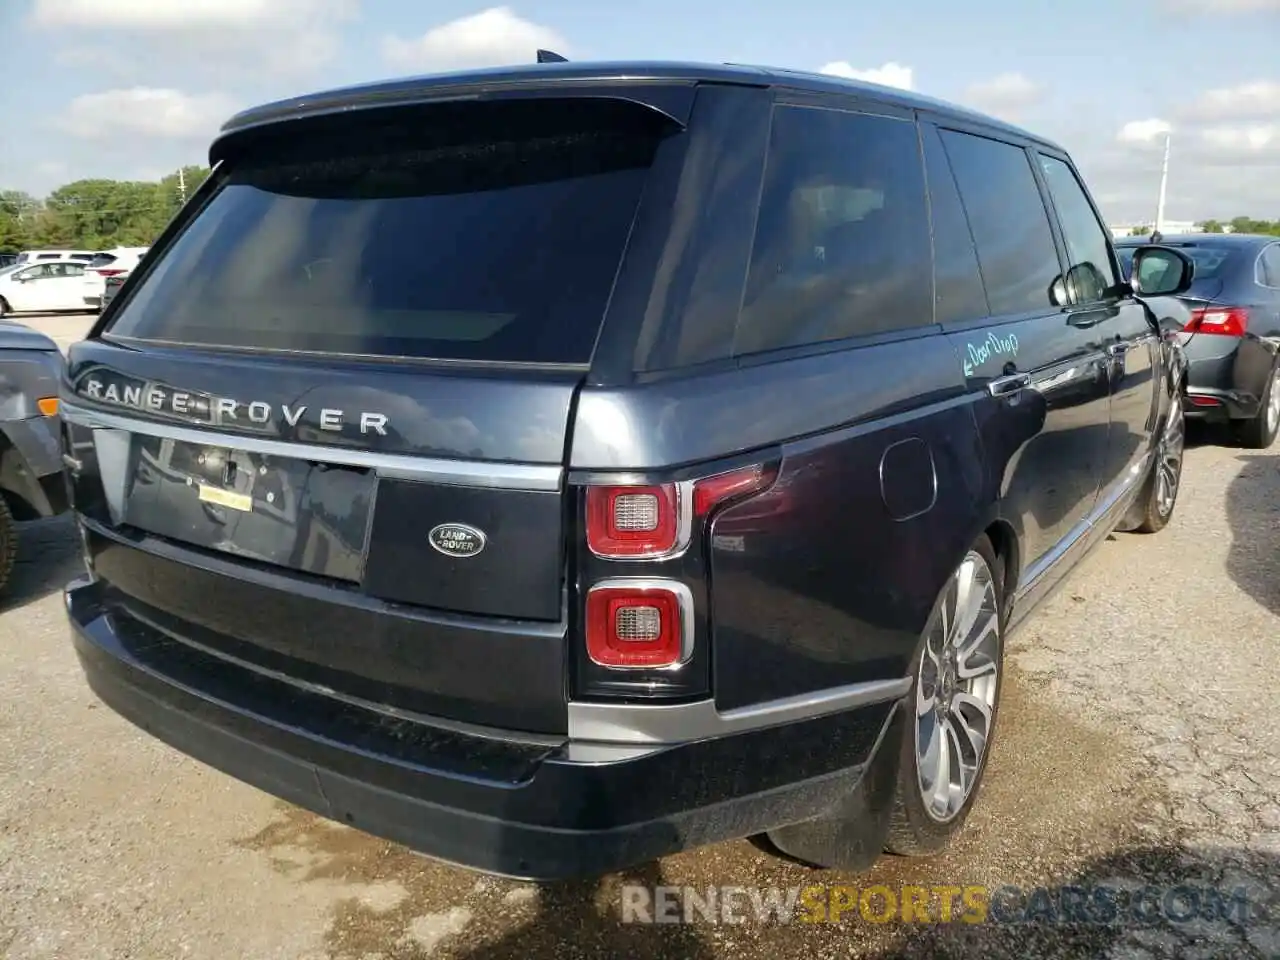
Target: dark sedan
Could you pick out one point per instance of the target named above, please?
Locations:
(1234, 333)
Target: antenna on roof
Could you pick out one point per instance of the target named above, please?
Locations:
(550, 56)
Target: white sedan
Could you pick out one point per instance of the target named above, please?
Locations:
(43, 287)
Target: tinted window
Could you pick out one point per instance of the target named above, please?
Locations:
(478, 231)
(842, 239)
(1270, 264)
(958, 282)
(1009, 222)
(1090, 275)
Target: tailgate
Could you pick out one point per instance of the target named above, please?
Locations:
(348, 376)
(449, 522)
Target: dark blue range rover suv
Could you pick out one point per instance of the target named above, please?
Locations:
(556, 467)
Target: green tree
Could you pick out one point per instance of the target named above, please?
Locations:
(95, 213)
(18, 212)
(1140, 232)
(1211, 226)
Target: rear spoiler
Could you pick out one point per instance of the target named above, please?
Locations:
(672, 99)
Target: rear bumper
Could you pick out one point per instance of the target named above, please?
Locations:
(1226, 376)
(533, 809)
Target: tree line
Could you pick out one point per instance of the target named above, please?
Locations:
(95, 214)
(1237, 225)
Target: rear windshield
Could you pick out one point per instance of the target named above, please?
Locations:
(482, 232)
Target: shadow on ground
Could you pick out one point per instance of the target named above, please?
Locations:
(1158, 901)
(48, 558)
(1253, 513)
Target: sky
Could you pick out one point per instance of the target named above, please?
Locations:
(132, 89)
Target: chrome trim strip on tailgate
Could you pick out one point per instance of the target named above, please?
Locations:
(470, 473)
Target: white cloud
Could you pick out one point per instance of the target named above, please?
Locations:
(1006, 95)
(140, 38)
(1144, 131)
(890, 75)
(493, 37)
(1225, 6)
(146, 112)
(185, 15)
(1256, 138)
(1248, 101)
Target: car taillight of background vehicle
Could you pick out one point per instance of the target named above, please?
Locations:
(1223, 321)
(108, 271)
(647, 622)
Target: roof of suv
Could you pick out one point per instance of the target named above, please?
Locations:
(413, 89)
(1206, 239)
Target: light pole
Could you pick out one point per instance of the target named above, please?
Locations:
(1164, 183)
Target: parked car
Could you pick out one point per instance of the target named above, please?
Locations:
(682, 483)
(110, 287)
(104, 268)
(45, 286)
(1233, 331)
(8, 259)
(32, 256)
(32, 484)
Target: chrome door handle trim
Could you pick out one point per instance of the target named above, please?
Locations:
(1004, 386)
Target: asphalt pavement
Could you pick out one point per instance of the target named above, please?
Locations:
(1138, 752)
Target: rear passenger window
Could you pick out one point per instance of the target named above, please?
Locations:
(842, 240)
(1091, 276)
(1269, 264)
(1010, 225)
(958, 292)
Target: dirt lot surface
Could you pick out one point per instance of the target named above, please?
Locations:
(1139, 747)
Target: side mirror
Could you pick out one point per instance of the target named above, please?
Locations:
(1161, 271)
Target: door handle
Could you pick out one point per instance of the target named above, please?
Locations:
(1005, 386)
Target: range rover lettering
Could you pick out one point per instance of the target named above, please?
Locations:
(554, 467)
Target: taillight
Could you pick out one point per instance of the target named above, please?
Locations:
(642, 522)
(639, 623)
(1224, 321)
(634, 522)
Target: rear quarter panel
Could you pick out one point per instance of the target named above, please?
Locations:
(829, 576)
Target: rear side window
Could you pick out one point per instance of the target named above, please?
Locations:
(958, 292)
(1091, 275)
(488, 232)
(1269, 266)
(842, 239)
(1009, 221)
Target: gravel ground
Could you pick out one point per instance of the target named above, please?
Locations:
(1139, 745)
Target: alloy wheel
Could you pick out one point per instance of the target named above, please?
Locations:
(956, 690)
(1170, 452)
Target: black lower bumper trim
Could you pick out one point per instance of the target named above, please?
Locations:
(541, 816)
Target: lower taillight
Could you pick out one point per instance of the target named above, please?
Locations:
(1223, 321)
(639, 623)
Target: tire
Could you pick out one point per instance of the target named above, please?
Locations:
(8, 544)
(4, 308)
(1155, 504)
(1259, 433)
(923, 820)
